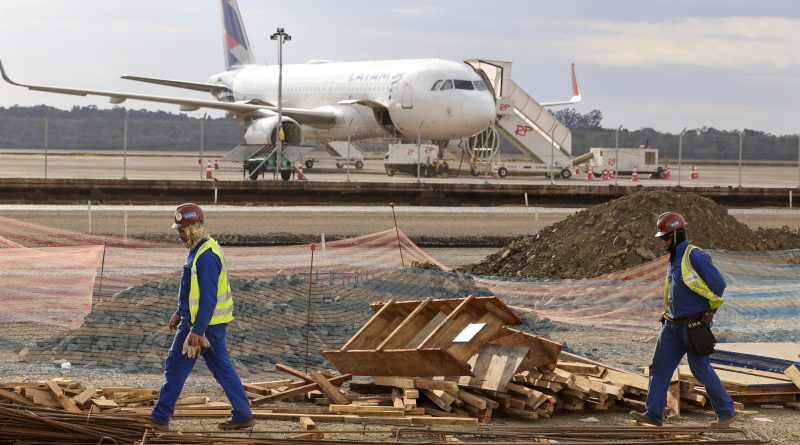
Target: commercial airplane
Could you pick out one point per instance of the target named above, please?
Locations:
(431, 99)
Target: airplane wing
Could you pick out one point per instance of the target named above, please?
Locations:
(208, 88)
(313, 118)
(576, 93)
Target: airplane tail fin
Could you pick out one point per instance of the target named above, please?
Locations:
(576, 91)
(234, 38)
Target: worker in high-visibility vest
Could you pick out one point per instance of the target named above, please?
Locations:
(692, 294)
(205, 307)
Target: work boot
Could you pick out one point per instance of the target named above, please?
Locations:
(230, 424)
(160, 427)
(643, 418)
(722, 423)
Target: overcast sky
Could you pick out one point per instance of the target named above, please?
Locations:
(659, 64)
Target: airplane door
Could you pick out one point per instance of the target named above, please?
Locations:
(407, 92)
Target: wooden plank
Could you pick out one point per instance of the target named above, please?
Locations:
(361, 410)
(447, 320)
(757, 372)
(398, 339)
(41, 397)
(298, 390)
(105, 404)
(438, 401)
(399, 362)
(579, 368)
(793, 374)
(84, 396)
(494, 366)
(328, 389)
(294, 372)
(541, 351)
(62, 399)
(374, 325)
(16, 398)
(307, 423)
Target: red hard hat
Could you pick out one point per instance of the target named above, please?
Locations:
(188, 214)
(669, 222)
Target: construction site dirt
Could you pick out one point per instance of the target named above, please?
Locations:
(569, 245)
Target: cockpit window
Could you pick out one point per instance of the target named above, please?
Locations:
(447, 85)
(479, 85)
(464, 85)
(436, 85)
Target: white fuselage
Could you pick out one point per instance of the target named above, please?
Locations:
(358, 92)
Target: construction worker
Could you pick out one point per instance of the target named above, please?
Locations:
(205, 307)
(692, 293)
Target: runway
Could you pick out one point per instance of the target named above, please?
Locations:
(158, 178)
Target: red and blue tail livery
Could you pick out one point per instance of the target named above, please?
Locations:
(234, 39)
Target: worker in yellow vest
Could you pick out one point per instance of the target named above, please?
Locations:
(205, 307)
(692, 293)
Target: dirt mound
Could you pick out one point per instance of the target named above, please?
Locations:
(619, 234)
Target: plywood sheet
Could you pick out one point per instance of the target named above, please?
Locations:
(783, 351)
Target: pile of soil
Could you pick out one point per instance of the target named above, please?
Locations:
(620, 234)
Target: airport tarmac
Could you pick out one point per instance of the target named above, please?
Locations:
(92, 165)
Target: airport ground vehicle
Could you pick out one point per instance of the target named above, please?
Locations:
(622, 161)
(410, 158)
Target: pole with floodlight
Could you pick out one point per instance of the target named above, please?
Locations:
(281, 37)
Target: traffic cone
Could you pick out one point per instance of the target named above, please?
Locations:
(634, 175)
(577, 170)
(590, 173)
(216, 164)
(666, 174)
(495, 174)
(695, 174)
(208, 171)
(605, 176)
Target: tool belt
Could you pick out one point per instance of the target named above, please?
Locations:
(699, 327)
(684, 320)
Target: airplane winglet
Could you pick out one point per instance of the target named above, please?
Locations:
(5, 76)
(576, 90)
(576, 93)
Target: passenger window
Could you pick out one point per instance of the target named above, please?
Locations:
(464, 85)
(436, 85)
(479, 85)
(447, 85)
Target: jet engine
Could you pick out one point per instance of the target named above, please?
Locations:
(263, 131)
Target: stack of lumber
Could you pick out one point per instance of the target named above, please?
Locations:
(74, 397)
(530, 394)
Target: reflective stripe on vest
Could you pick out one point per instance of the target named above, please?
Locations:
(693, 281)
(223, 311)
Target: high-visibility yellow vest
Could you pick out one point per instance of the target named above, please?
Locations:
(693, 281)
(223, 311)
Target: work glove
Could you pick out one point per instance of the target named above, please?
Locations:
(194, 351)
(707, 318)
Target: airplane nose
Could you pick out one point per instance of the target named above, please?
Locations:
(478, 114)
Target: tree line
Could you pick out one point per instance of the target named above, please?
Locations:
(91, 128)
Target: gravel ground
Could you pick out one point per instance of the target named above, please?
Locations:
(623, 350)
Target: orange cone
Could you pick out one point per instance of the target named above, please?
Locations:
(495, 174)
(634, 175)
(208, 171)
(590, 173)
(605, 175)
(216, 164)
(666, 174)
(577, 170)
(695, 174)
(300, 175)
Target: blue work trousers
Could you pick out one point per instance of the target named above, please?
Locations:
(673, 343)
(177, 368)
